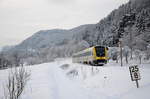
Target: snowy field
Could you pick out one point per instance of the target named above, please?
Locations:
(64, 80)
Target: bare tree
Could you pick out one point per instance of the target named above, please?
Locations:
(17, 81)
(139, 55)
(17, 58)
(4, 62)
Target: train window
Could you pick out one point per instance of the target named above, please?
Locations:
(88, 53)
(100, 51)
(107, 48)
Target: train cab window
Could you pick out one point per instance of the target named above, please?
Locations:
(107, 48)
(100, 51)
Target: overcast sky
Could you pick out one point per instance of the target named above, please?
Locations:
(20, 19)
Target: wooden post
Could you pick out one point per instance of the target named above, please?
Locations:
(120, 45)
(92, 70)
(137, 83)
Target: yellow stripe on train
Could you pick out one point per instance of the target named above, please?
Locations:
(94, 55)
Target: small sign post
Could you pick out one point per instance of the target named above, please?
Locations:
(134, 73)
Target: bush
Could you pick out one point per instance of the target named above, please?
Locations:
(17, 81)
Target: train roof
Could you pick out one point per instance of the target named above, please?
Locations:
(88, 49)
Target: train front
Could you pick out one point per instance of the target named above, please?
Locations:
(101, 55)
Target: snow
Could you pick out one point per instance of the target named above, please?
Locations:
(77, 81)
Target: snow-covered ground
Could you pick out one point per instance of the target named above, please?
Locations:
(57, 80)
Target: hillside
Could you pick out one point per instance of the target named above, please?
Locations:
(48, 38)
(105, 32)
(45, 38)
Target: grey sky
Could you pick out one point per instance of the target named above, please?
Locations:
(19, 19)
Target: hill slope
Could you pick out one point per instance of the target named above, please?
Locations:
(48, 38)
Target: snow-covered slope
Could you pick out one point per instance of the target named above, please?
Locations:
(77, 81)
(47, 38)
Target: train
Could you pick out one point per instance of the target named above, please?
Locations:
(96, 55)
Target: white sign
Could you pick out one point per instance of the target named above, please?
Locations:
(134, 72)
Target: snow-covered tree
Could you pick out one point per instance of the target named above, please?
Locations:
(139, 55)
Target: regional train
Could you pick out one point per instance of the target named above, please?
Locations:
(96, 55)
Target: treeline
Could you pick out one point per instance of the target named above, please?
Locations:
(46, 54)
(130, 23)
(106, 31)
